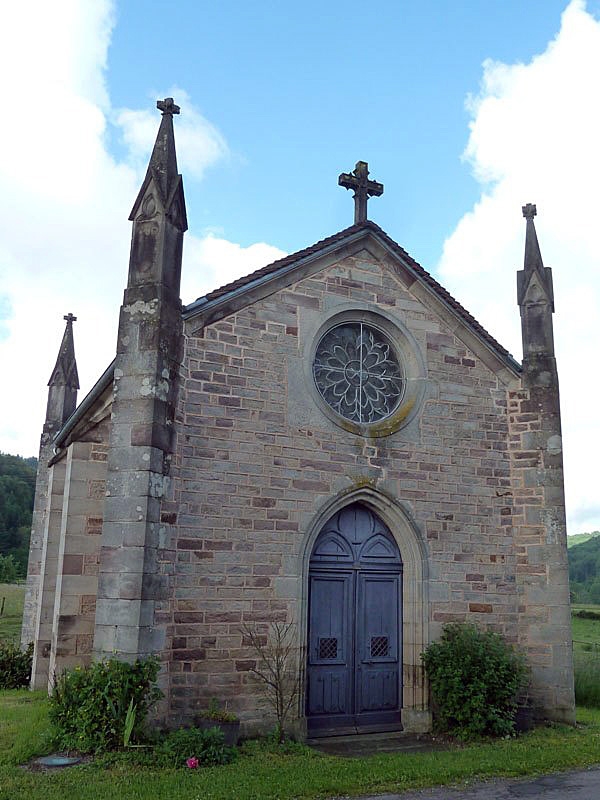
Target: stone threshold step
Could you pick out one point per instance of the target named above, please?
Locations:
(365, 744)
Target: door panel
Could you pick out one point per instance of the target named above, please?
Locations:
(377, 673)
(330, 645)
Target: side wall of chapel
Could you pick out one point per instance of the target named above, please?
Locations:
(64, 623)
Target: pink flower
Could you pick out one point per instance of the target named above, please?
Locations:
(192, 763)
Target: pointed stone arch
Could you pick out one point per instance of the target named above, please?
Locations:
(416, 716)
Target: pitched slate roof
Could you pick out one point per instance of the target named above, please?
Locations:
(277, 266)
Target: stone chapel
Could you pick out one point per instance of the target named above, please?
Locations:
(332, 441)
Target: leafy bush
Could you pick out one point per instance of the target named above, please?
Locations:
(587, 614)
(207, 746)
(475, 677)
(89, 706)
(9, 570)
(15, 665)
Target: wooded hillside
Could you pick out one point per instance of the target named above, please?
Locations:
(17, 489)
(579, 538)
(584, 571)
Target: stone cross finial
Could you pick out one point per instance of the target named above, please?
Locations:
(167, 106)
(70, 318)
(529, 211)
(363, 189)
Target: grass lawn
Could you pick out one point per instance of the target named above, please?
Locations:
(586, 656)
(10, 620)
(586, 632)
(263, 772)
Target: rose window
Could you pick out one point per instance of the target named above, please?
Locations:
(358, 373)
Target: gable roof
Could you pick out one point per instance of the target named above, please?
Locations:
(289, 263)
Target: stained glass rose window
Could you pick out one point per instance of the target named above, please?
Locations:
(358, 373)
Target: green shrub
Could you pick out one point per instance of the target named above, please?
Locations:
(213, 712)
(89, 706)
(475, 677)
(15, 665)
(585, 613)
(207, 745)
(9, 569)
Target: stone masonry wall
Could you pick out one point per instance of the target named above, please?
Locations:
(79, 556)
(36, 544)
(257, 460)
(42, 634)
(69, 564)
(540, 543)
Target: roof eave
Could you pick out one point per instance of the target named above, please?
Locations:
(101, 385)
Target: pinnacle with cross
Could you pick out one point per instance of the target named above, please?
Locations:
(167, 106)
(70, 318)
(363, 189)
(529, 211)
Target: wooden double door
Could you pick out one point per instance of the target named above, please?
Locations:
(354, 632)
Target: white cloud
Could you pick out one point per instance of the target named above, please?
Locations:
(199, 143)
(534, 138)
(64, 203)
(211, 262)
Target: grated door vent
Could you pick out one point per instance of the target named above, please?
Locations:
(379, 646)
(328, 648)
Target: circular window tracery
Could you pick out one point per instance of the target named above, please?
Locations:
(358, 373)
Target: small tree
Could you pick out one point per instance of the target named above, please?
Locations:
(277, 668)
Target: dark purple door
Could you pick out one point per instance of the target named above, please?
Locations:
(354, 641)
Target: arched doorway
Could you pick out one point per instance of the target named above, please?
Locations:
(354, 626)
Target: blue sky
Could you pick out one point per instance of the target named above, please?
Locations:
(464, 110)
(301, 91)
